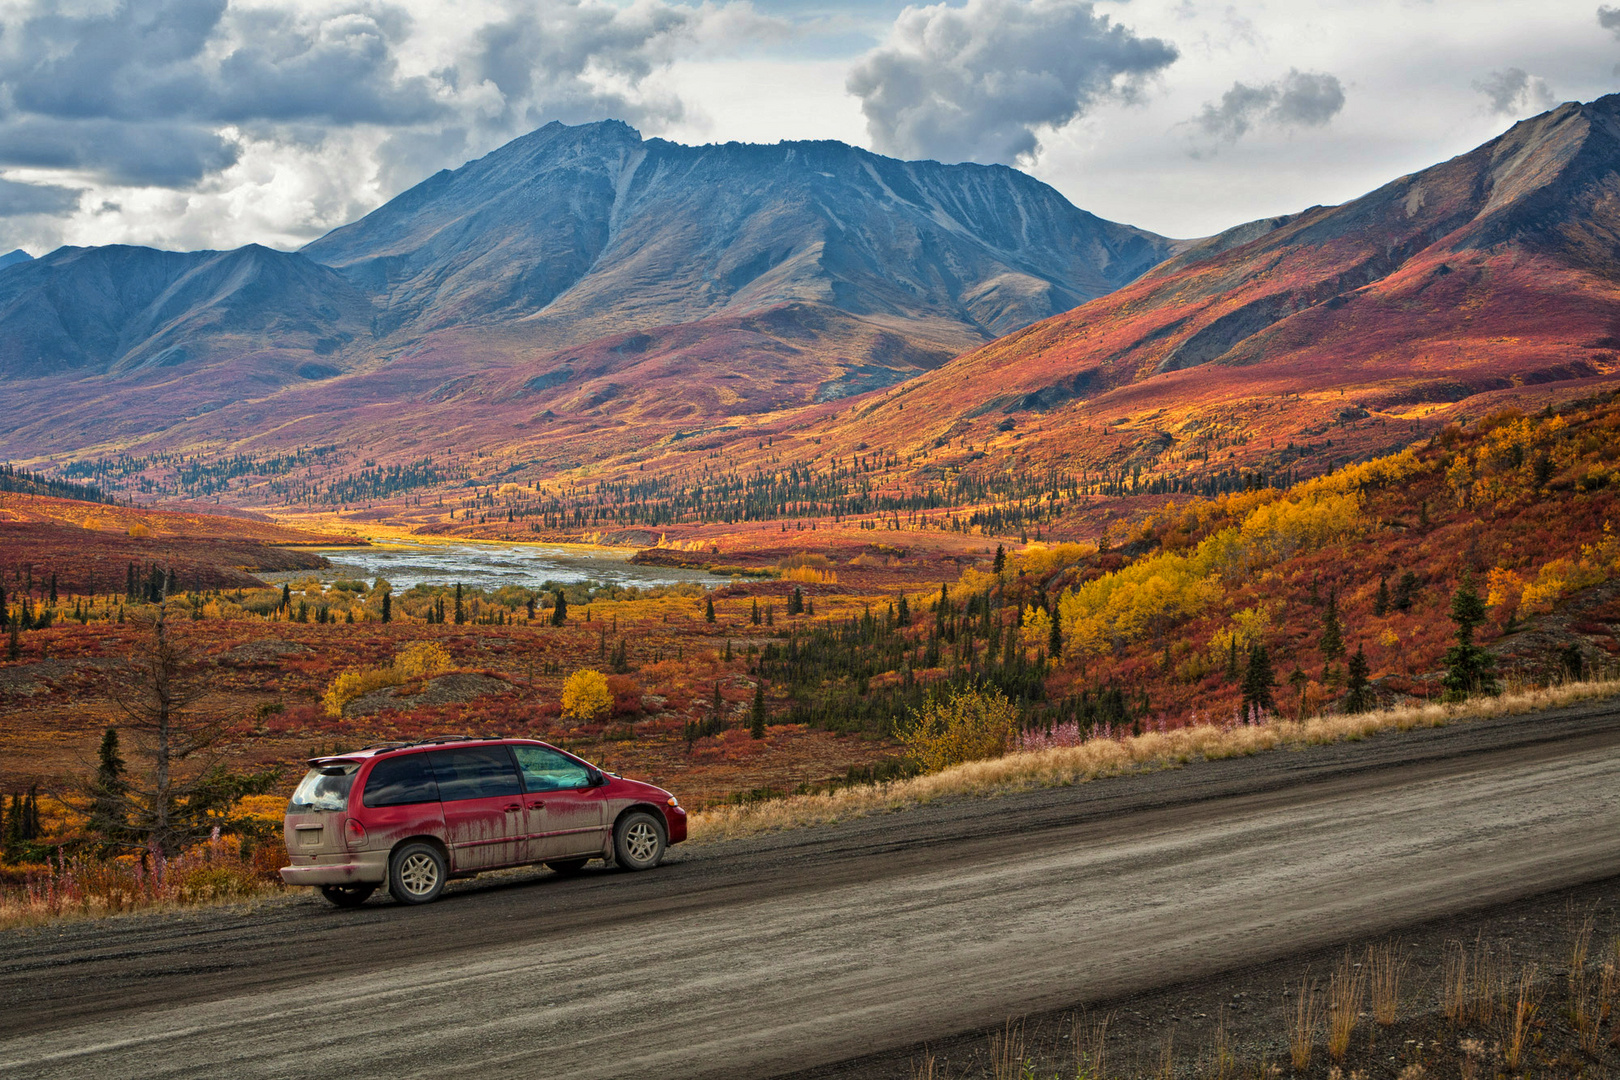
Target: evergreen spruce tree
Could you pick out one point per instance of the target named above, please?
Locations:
(1332, 641)
(1054, 641)
(1299, 680)
(53, 588)
(108, 810)
(529, 604)
(717, 705)
(728, 650)
(1381, 600)
(14, 641)
(14, 824)
(1469, 669)
(1258, 682)
(1405, 590)
(796, 602)
(756, 718)
(1232, 669)
(753, 616)
(1360, 697)
(770, 613)
(559, 609)
(903, 612)
(461, 612)
(286, 597)
(388, 607)
(708, 609)
(1001, 559)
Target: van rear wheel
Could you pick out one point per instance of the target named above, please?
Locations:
(347, 896)
(417, 873)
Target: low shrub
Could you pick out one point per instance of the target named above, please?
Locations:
(420, 660)
(965, 725)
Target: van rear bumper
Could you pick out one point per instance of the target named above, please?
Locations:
(352, 868)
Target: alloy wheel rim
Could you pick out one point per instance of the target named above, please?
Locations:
(419, 874)
(642, 840)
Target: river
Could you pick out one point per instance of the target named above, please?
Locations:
(492, 565)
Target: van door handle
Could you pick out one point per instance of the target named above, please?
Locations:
(537, 806)
(514, 808)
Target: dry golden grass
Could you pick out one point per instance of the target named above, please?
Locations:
(1523, 1014)
(1106, 757)
(1385, 966)
(1091, 1046)
(1007, 1052)
(1346, 989)
(1302, 1034)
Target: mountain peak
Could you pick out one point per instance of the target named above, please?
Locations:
(583, 230)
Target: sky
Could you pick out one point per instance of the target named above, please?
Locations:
(190, 124)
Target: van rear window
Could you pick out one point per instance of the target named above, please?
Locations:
(325, 787)
(401, 781)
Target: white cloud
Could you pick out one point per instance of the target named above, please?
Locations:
(980, 82)
(1298, 99)
(423, 94)
(1514, 92)
(203, 121)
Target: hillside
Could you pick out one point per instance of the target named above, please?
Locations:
(807, 270)
(1303, 340)
(88, 547)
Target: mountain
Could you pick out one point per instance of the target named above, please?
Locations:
(118, 310)
(580, 264)
(1488, 280)
(16, 256)
(578, 230)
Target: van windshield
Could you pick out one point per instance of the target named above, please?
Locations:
(325, 787)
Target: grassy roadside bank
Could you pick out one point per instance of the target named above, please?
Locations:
(1098, 758)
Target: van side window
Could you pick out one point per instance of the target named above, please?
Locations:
(477, 772)
(401, 781)
(547, 770)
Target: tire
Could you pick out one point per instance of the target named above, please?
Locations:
(639, 841)
(417, 873)
(347, 896)
(567, 867)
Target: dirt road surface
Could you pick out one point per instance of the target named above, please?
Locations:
(775, 955)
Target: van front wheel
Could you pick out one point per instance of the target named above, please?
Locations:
(638, 842)
(416, 874)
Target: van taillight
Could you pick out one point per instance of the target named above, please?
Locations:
(354, 833)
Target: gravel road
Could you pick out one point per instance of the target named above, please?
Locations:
(779, 954)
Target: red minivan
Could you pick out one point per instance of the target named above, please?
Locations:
(416, 814)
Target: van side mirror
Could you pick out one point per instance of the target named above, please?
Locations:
(597, 778)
